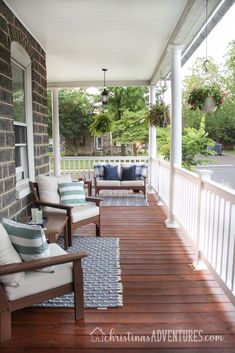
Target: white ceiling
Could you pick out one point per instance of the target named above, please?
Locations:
(128, 37)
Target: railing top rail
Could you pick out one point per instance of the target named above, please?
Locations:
(105, 158)
(227, 193)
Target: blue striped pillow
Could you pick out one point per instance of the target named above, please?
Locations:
(72, 194)
(28, 240)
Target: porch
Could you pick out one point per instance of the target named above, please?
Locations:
(160, 292)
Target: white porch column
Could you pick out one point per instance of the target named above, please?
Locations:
(55, 130)
(176, 127)
(152, 138)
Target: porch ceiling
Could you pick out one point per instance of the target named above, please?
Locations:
(130, 38)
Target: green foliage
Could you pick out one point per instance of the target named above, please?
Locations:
(220, 125)
(158, 114)
(126, 98)
(194, 143)
(75, 113)
(198, 95)
(101, 124)
(131, 129)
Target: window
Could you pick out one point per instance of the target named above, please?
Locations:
(99, 143)
(20, 127)
(22, 113)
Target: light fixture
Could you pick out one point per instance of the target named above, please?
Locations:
(104, 93)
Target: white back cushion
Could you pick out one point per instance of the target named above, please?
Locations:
(8, 255)
(48, 188)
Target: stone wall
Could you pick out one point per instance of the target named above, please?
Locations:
(12, 30)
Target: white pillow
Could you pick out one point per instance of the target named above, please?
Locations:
(9, 255)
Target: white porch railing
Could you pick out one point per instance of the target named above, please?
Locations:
(84, 166)
(206, 210)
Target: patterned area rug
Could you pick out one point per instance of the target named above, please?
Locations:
(102, 274)
(123, 199)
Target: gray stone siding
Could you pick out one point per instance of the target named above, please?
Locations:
(12, 30)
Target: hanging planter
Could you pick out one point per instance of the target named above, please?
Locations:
(207, 98)
(101, 124)
(209, 105)
(158, 114)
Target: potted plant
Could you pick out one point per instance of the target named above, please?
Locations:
(101, 124)
(158, 114)
(207, 98)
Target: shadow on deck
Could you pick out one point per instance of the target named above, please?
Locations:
(165, 303)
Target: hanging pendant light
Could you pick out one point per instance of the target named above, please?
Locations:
(104, 93)
(206, 62)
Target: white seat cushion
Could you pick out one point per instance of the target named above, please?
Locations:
(88, 210)
(132, 183)
(36, 282)
(108, 183)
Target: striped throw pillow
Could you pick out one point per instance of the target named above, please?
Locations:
(29, 241)
(72, 194)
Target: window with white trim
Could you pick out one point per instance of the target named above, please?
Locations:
(22, 114)
(99, 143)
(20, 126)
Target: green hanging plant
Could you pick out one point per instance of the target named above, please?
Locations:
(101, 124)
(158, 114)
(198, 97)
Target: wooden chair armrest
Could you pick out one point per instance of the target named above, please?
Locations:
(97, 200)
(55, 205)
(40, 263)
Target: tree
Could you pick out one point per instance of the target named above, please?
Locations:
(194, 143)
(126, 98)
(75, 113)
(122, 99)
(132, 129)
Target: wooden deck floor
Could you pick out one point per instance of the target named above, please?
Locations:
(160, 291)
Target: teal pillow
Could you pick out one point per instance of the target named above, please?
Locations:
(72, 194)
(29, 241)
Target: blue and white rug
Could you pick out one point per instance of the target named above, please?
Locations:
(101, 272)
(122, 200)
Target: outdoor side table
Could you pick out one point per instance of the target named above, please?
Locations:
(55, 226)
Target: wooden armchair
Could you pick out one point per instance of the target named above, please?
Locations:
(71, 211)
(26, 294)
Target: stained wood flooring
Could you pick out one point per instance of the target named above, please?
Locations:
(167, 306)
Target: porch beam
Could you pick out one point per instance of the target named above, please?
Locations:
(87, 84)
(176, 127)
(55, 130)
(152, 152)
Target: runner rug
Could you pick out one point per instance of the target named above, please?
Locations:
(101, 272)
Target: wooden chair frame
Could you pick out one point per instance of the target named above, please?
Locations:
(122, 187)
(6, 306)
(71, 226)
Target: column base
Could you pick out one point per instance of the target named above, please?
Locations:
(171, 223)
(160, 203)
(199, 266)
(150, 190)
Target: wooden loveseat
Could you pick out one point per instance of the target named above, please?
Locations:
(136, 182)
